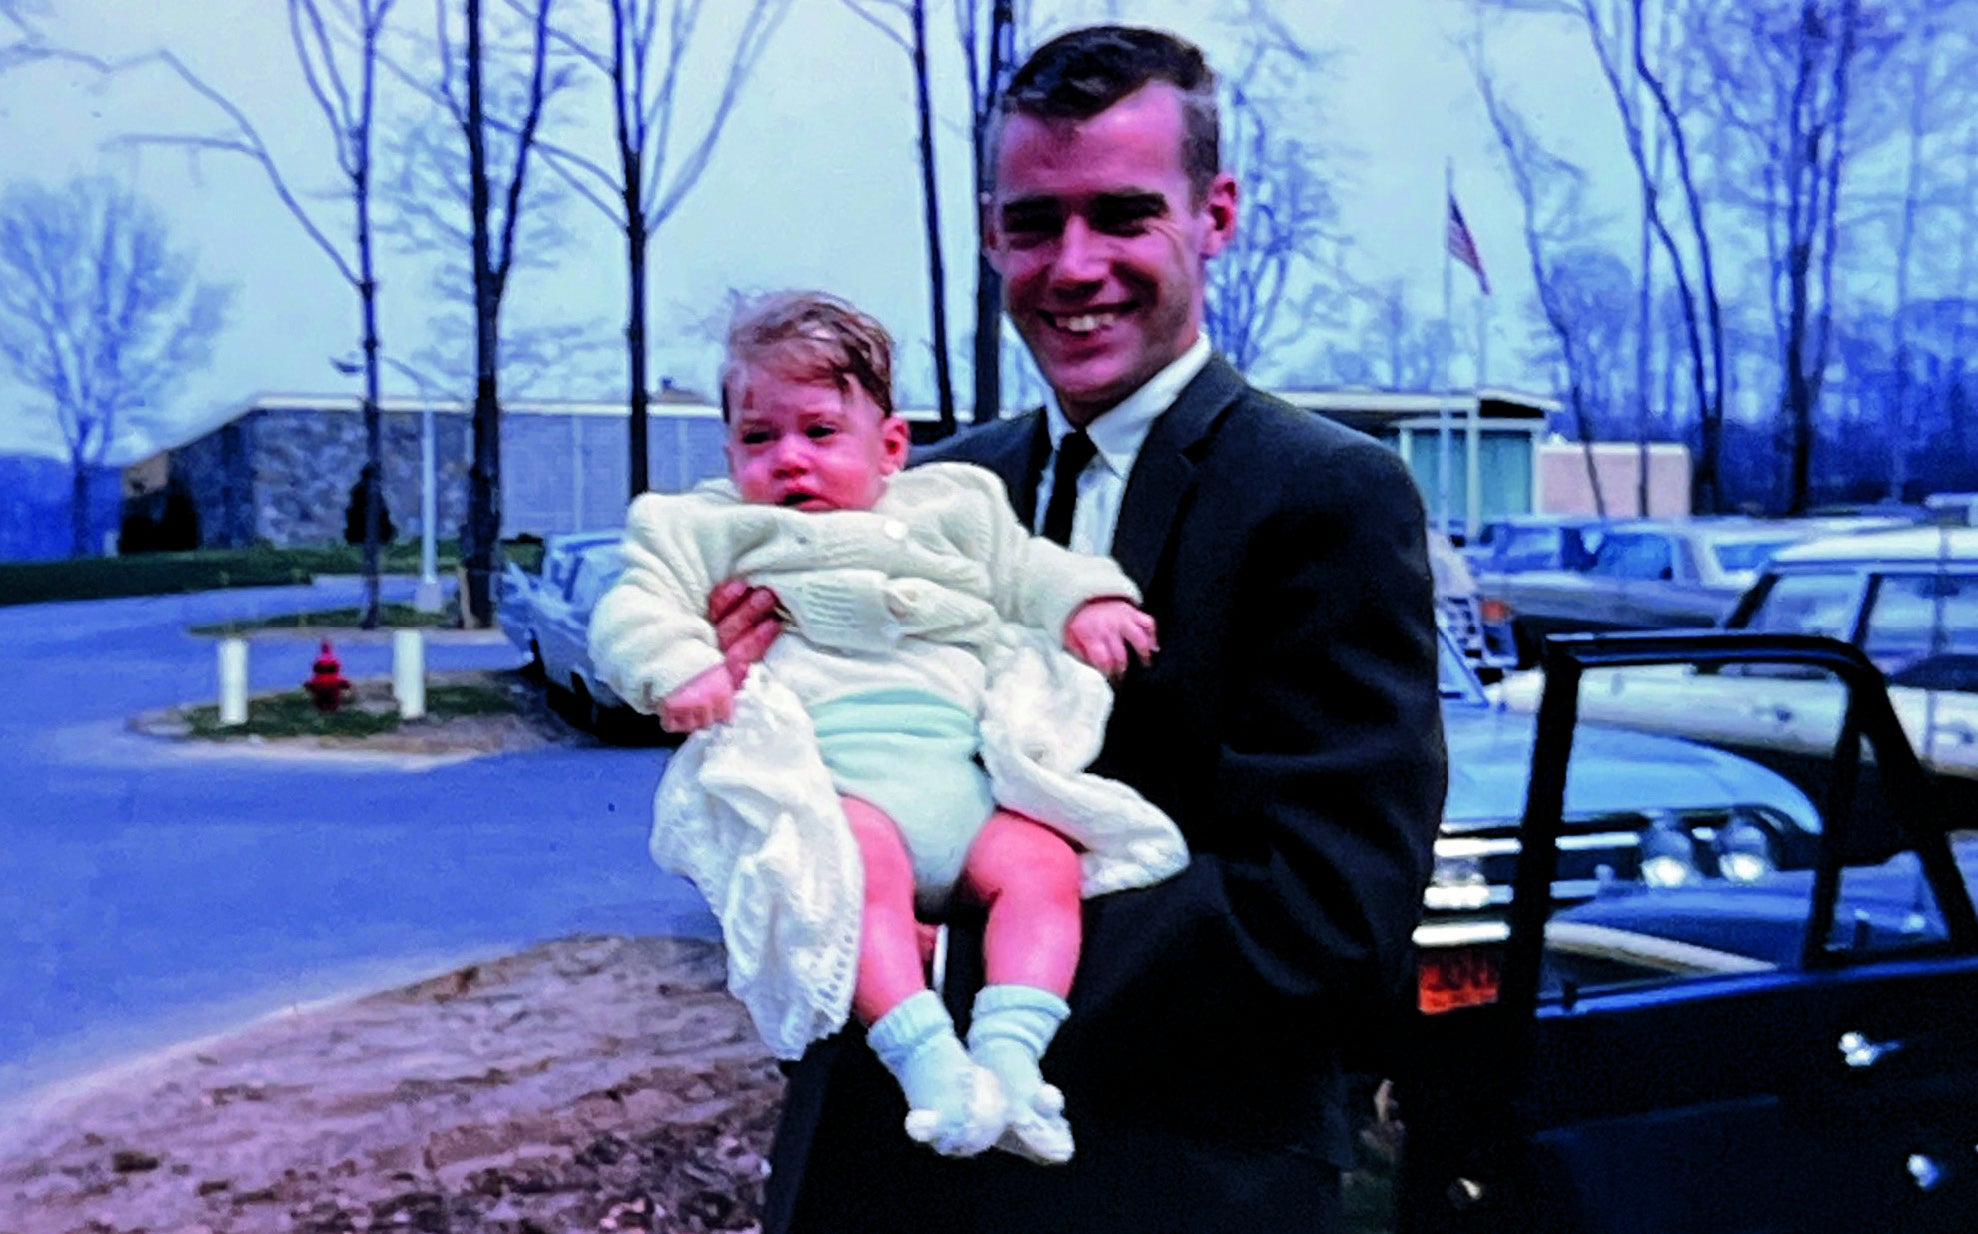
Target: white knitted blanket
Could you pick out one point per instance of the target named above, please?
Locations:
(747, 811)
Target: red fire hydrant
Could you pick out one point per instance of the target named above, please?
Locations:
(327, 684)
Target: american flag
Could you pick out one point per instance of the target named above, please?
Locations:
(1463, 247)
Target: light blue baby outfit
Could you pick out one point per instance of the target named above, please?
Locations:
(911, 753)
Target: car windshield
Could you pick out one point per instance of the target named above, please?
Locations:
(1634, 555)
(1810, 602)
(1742, 555)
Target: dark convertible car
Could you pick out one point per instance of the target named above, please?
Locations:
(1794, 1053)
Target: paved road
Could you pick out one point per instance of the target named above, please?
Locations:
(149, 895)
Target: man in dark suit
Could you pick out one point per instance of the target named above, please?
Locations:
(1290, 722)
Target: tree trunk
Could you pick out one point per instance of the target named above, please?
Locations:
(937, 275)
(484, 495)
(79, 537)
(989, 284)
(1905, 245)
(635, 347)
(367, 291)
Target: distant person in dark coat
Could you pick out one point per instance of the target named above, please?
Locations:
(1291, 723)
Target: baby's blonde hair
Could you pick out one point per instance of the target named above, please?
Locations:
(808, 336)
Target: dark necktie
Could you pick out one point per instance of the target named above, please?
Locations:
(1074, 452)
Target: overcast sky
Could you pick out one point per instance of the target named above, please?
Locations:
(814, 183)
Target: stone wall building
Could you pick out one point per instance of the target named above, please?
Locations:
(281, 470)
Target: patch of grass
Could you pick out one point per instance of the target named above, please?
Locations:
(148, 574)
(390, 617)
(208, 569)
(292, 714)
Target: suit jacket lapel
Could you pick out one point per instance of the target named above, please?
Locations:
(1016, 450)
(1165, 469)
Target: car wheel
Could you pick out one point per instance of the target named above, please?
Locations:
(584, 708)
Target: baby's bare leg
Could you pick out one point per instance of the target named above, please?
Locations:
(889, 942)
(954, 1105)
(1028, 875)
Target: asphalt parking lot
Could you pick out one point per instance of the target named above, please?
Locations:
(157, 893)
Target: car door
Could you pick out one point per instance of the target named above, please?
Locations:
(1795, 1054)
(1639, 573)
(1670, 593)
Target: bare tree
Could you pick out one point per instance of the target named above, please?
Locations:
(1614, 31)
(1788, 96)
(1551, 197)
(20, 36)
(1935, 63)
(1284, 271)
(487, 173)
(337, 50)
(1401, 351)
(913, 41)
(658, 164)
(431, 198)
(100, 315)
(988, 30)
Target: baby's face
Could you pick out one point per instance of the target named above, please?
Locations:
(810, 445)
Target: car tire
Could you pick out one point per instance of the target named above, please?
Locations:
(584, 708)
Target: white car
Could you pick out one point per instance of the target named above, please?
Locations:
(515, 605)
(562, 633)
(1908, 598)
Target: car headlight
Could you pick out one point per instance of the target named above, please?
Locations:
(1668, 856)
(1744, 851)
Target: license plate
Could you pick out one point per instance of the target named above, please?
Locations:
(1460, 976)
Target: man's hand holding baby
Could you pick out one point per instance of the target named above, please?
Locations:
(1100, 632)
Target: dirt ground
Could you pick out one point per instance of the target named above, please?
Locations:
(596, 1083)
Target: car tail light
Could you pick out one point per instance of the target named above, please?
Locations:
(1466, 975)
(1494, 610)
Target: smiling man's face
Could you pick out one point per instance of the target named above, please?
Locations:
(1101, 245)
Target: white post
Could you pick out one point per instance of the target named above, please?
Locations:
(427, 597)
(233, 681)
(408, 672)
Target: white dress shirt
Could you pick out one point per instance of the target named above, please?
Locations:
(1117, 434)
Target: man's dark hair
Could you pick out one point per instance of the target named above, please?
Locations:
(1083, 72)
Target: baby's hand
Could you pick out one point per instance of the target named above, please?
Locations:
(1100, 632)
(707, 699)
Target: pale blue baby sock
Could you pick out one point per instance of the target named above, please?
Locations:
(954, 1105)
(1011, 1028)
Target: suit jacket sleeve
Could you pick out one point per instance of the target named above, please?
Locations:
(1314, 836)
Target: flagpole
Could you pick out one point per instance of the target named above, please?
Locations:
(1473, 436)
(1443, 427)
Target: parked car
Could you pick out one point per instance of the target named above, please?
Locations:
(1907, 598)
(515, 602)
(1640, 809)
(1644, 574)
(563, 624)
(1527, 542)
(1793, 1054)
